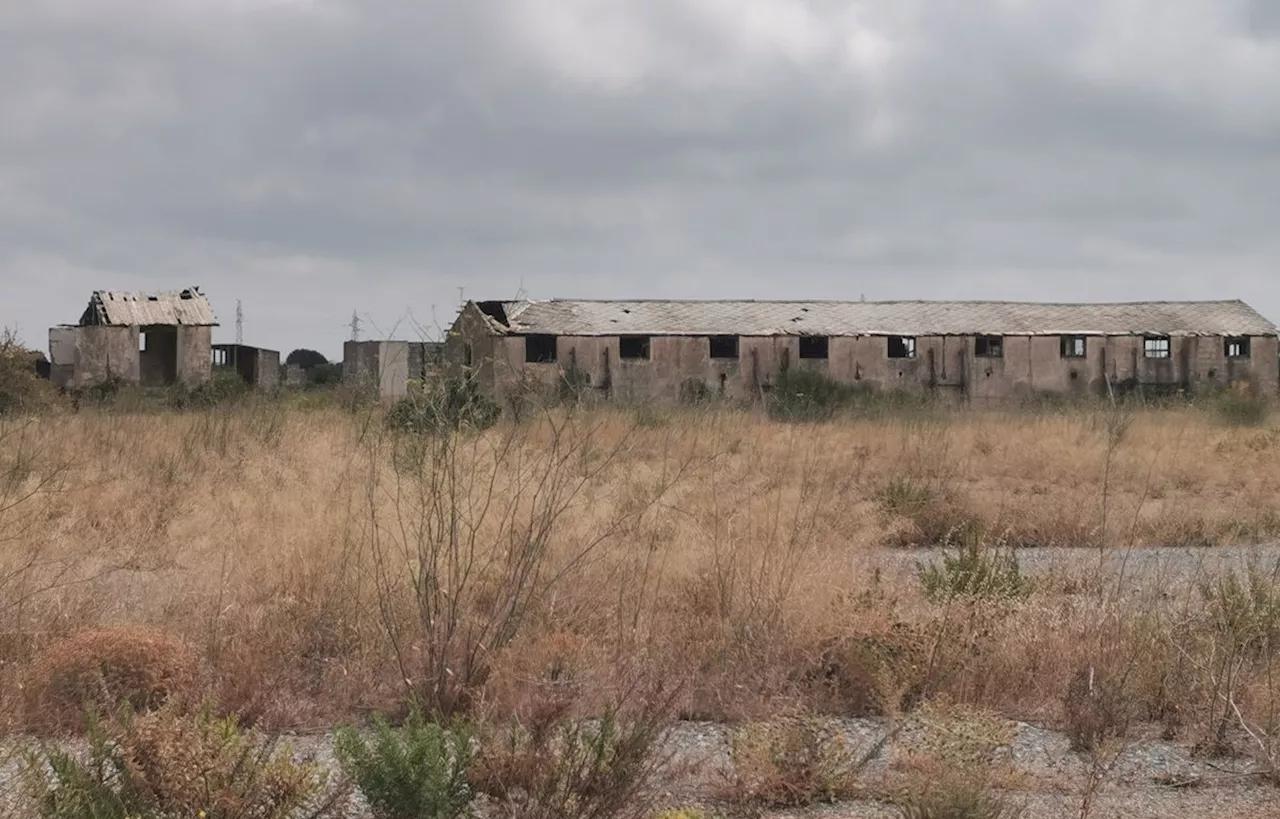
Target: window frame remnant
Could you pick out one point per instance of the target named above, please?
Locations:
(1239, 347)
(540, 348)
(987, 346)
(635, 348)
(901, 346)
(723, 347)
(815, 348)
(1157, 347)
(1074, 346)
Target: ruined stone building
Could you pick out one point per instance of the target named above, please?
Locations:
(259, 367)
(387, 367)
(146, 339)
(975, 351)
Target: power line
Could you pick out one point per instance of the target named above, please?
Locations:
(355, 326)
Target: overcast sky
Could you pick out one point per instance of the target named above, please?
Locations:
(315, 157)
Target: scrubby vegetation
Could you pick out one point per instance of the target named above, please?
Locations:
(556, 590)
(166, 765)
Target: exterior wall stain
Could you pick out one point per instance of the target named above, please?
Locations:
(945, 365)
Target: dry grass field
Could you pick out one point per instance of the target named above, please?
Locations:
(303, 566)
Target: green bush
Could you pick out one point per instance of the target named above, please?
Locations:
(418, 771)
(443, 407)
(224, 386)
(1244, 612)
(803, 395)
(974, 569)
(21, 388)
(165, 765)
(806, 395)
(1242, 409)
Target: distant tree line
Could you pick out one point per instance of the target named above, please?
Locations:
(318, 370)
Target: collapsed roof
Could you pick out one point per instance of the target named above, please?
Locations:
(114, 308)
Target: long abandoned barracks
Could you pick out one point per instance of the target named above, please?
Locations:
(978, 351)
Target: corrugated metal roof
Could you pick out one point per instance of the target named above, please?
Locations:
(124, 309)
(905, 318)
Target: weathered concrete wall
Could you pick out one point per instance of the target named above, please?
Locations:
(360, 363)
(194, 361)
(424, 360)
(267, 372)
(377, 365)
(62, 355)
(258, 367)
(471, 352)
(948, 365)
(393, 369)
(85, 356)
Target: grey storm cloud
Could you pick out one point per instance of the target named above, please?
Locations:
(314, 157)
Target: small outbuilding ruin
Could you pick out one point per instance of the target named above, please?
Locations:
(145, 339)
(259, 367)
(976, 351)
(387, 367)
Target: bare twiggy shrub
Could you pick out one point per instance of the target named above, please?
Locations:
(105, 670)
(1095, 708)
(559, 767)
(471, 540)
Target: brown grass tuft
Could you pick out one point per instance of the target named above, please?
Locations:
(106, 670)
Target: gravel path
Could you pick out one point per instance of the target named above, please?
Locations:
(1150, 778)
(1140, 568)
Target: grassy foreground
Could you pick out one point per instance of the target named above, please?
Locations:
(317, 568)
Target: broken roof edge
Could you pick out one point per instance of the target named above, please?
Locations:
(524, 303)
(515, 331)
(181, 307)
(920, 318)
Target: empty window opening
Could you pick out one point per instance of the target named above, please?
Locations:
(633, 348)
(1237, 347)
(989, 346)
(1073, 347)
(724, 346)
(1156, 346)
(902, 347)
(466, 354)
(814, 346)
(142, 342)
(539, 349)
